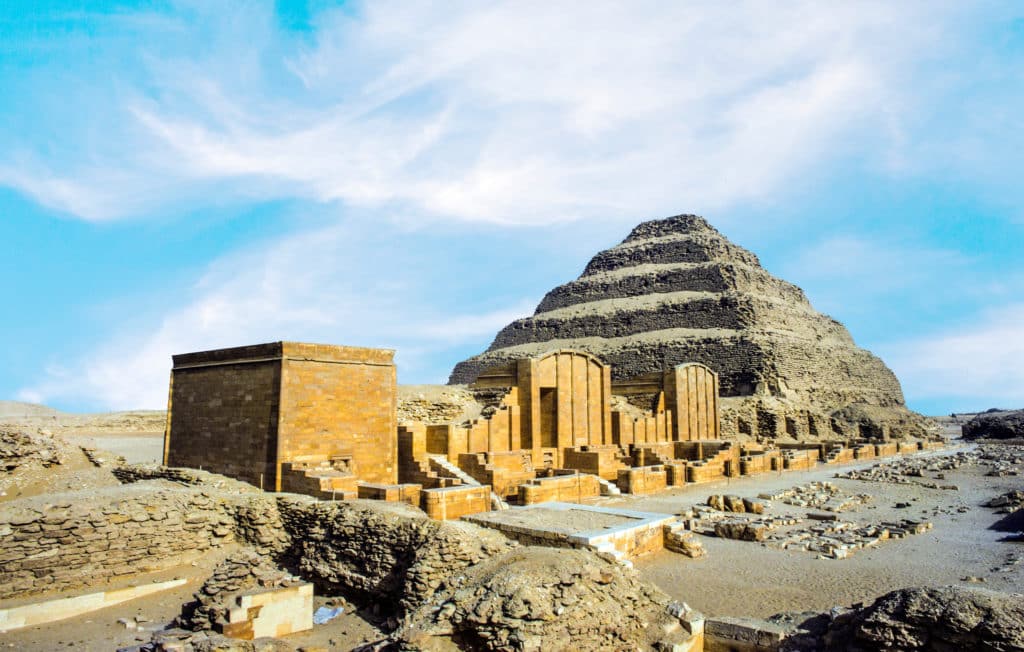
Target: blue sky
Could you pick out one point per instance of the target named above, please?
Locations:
(177, 176)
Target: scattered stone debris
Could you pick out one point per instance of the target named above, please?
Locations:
(1007, 503)
(679, 539)
(839, 540)
(735, 504)
(819, 495)
(907, 471)
(20, 448)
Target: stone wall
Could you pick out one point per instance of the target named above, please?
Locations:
(224, 419)
(71, 542)
(390, 552)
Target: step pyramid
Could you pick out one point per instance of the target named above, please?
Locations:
(676, 290)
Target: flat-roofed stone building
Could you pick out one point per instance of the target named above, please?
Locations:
(286, 416)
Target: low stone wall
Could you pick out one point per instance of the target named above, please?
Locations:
(765, 462)
(73, 542)
(887, 449)
(130, 473)
(573, 488)
(700, 472)
(643, 480)
(404, 493)
(453, 502)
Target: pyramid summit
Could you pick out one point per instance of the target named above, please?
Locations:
(676, 290)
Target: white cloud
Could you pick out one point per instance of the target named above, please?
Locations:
(982, 360)
(510, 112)
(327, 285)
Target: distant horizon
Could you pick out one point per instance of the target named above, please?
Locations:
(181, 176)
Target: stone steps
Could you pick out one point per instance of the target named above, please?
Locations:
(439, 461)
(608, 488)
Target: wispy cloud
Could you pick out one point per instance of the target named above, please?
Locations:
(508, 112)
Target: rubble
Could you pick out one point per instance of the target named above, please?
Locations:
(243, 571)
(819, 495)
(1007, 503)
(839, 540)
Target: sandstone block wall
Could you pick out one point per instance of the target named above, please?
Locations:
(643, 480)
(602, 461)
(340, 401)
(223, 418)
(575, 488)
(405, 493)
(454, 502)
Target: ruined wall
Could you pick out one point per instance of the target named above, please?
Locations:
(71, 543)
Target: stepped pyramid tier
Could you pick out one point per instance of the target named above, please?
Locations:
(676, 290)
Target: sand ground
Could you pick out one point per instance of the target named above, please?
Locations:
(740, 578)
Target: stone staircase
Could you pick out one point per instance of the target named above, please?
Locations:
(441, 465)
(318, 479)
(608, 488)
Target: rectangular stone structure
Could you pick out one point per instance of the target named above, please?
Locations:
(244, 411)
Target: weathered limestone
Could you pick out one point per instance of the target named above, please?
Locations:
(286, 416)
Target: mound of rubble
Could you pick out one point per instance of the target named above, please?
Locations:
(21, 449)
(995, 424)
(676, 290)
(926, 619)
(544, 599)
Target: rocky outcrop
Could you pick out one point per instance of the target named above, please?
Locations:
(676, 290)
(995, 424)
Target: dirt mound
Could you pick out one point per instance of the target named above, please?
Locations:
(1002, 424)
(945, 618)
(676, 290)
(541, 598)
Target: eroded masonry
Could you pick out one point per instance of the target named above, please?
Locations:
(321, 420)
